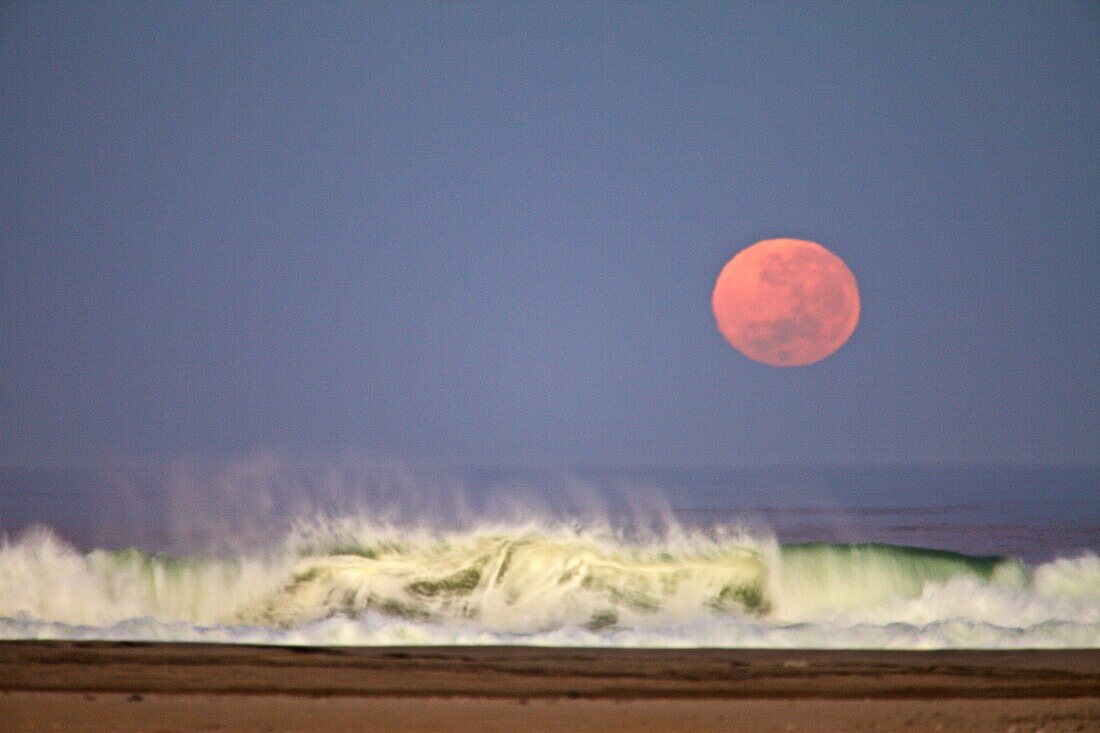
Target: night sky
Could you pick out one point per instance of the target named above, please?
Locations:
(487, 234)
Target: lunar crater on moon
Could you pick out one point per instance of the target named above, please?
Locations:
(786, 302)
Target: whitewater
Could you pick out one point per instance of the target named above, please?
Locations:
(352, 582)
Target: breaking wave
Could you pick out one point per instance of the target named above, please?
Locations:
(353, 583)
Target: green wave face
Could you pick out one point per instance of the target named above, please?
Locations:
(815, 578)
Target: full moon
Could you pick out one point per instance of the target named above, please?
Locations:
(786, 302)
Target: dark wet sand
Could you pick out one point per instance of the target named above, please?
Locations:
(100, 686)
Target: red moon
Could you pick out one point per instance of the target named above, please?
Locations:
(786, 302)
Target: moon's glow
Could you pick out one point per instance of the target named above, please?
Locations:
(786, 302)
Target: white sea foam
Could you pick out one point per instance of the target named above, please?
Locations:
(352, 582)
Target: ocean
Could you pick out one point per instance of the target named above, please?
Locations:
(354, 552)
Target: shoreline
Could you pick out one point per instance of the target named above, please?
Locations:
(525, 671)
(90, 685)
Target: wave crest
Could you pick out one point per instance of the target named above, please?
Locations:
(538, 584)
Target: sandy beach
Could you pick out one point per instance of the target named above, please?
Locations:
(103, 686)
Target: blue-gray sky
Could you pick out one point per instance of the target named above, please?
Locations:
(487, 234)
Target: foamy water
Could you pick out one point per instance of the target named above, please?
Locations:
(351, 582)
